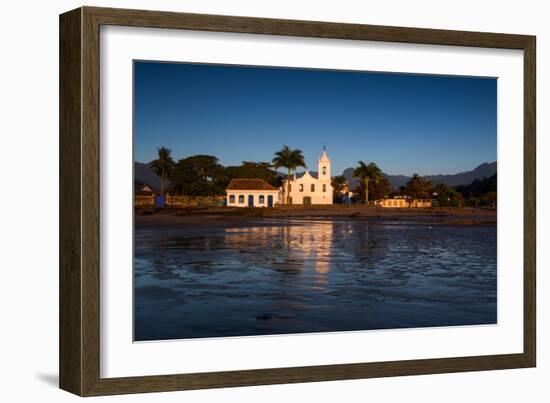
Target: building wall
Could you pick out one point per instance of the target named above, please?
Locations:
(392, 203)
(322, 191)
(404, 203)
(421, 203)
(257, 195)
(317, 195)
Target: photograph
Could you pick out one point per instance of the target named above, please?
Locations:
(278, 200)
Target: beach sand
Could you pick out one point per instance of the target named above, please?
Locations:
(224, 216)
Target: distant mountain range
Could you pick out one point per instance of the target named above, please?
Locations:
(144, 174)
(484, 170)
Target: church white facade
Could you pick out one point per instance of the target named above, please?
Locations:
(308, 188)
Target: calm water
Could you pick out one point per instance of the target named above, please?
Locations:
(295, 276)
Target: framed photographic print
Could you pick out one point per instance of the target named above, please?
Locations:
(250, 201)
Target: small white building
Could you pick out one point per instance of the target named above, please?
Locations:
(251, 193)
(308, 188)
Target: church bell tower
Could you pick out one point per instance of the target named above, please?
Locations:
(323, 166)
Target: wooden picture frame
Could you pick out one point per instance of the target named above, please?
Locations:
(79, 201)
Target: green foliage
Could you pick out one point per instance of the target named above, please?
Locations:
(163, 166)
(457, 200)
(289, 159)
(202, 175)
(366, 173)
(419, 187)
(339, 183)
(479, 187)
(489, 198)
(198, 175)
(379, 189)
(445, 195)
(204, 166)
(253, 170)
(481, 192)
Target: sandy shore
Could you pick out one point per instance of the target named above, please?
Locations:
(221, 217)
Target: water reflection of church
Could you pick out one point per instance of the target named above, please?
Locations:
(296, 246)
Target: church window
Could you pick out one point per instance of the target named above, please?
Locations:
(313, 187)
(324, 170)
(261, 199)
(324, 188)
(241, 199)
(301, 187)
(232, 199)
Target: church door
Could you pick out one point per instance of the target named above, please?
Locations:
(250, 201)
(269, 201)
(307, 201)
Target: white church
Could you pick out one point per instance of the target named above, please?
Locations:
(311, 188)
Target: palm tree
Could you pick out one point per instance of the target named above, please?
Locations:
(163, 166)
(289, 159)
(367, 173)
(339, 184)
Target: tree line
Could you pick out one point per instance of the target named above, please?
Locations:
(203, 175)
(373, 185)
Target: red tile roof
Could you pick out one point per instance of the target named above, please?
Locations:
(249, 184)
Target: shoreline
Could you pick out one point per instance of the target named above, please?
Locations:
(240, 217)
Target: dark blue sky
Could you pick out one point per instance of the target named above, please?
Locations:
(404, 123)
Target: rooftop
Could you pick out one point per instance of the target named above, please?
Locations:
(249, 184)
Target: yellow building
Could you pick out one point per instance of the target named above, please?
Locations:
(401, 202)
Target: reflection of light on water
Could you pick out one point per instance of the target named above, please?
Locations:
(303, 241)
(292, 276)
